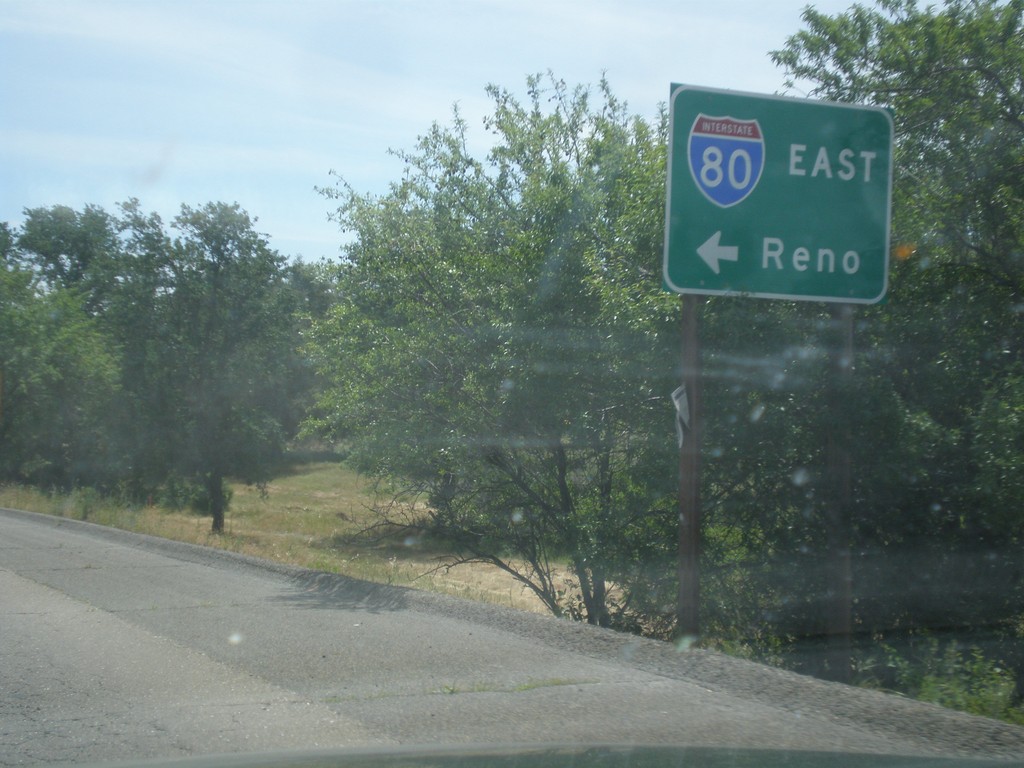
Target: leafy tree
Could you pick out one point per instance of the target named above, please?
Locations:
(195, 333)
(953, 80)
(58, 381)
(501, 347)
(945, 353)
(220, 353)
(72, 249)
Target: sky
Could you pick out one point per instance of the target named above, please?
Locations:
(256, 102)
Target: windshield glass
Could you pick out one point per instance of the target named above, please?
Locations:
(456, 373)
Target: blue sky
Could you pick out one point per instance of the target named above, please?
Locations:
(256, 101)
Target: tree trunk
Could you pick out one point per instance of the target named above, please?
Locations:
(217, 499)
(594, 595)
(600, 592)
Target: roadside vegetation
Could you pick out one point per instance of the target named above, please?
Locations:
(309, 515)
(497, 354)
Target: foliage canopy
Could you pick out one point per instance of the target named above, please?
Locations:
(496, 344)
(134, 358)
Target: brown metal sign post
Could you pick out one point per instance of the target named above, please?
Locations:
(839, 605)
(774, 198)
(688, 602)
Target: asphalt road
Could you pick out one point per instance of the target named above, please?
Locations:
(118, 646)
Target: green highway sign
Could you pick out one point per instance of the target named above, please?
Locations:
(777, 197)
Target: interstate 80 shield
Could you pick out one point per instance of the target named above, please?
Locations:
(726, 157)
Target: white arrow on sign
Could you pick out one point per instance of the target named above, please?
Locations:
(712, 251)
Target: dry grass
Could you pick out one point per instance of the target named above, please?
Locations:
(308, 517)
